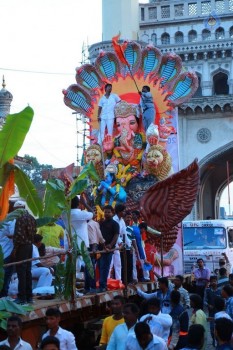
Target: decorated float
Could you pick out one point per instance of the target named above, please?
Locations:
(139, 167)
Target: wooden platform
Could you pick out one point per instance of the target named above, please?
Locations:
(40, 306)
(83, 317)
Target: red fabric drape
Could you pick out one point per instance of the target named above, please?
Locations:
(120, 49)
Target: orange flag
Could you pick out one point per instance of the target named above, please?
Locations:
(7, 191)
(120, 49)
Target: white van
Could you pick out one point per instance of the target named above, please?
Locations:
(207, 239)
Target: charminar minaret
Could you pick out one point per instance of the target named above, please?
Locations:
(120, 16)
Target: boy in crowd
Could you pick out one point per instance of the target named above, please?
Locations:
(111, 322)
(223, 333)
(209, 298)
(121, 332)
(66, 338)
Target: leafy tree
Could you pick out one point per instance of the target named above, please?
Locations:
(33, 169)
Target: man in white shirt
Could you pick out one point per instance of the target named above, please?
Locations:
(144, 339)
(118, 338)
(79, 220)
(66, 338)
(160, 324)
(14, 341)
(106, 112)
(44, 274)
(122, 239)
(6, 234)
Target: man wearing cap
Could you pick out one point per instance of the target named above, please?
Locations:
(25, 229)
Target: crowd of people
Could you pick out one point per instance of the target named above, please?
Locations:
(167, 319)
(21, 240)
(163, 320)
(56, 338)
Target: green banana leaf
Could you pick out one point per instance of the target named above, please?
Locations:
(59, 280)
(89, 171)
(54, 199)
(3, 324)
(1, 268)
(69, 282)
(81, 183)
(10, 306)
(78, 186)
(4, 315)
(13, 134)
(87, 259)
(28, 191)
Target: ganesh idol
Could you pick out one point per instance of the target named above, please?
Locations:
(128, 142)
(94, 154)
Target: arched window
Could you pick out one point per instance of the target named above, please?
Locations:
(220, 84)
(165, 39)
(145, 38)
(206, 34)
(192, 36)
(199, 89)
(231, 32)
(154, 38)
(219, 33)
(179, 38)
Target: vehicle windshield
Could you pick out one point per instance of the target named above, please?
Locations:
(204, 237)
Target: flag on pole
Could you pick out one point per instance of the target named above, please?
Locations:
(120, 49)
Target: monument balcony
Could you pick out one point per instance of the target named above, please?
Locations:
(198, 50)
(161, 13)
(198, 46)
(207, 105)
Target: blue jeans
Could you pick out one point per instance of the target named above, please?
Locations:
(148, 117)
(104, 266)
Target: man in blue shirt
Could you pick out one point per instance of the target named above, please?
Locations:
(121, 332)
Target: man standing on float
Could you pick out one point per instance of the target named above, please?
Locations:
(106, 111)
(147, 107)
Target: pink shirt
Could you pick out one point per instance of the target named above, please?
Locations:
(94, 233)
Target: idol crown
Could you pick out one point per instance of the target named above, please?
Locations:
(124, 109)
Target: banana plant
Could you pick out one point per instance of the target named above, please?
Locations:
(12, 137)
(55, 202)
